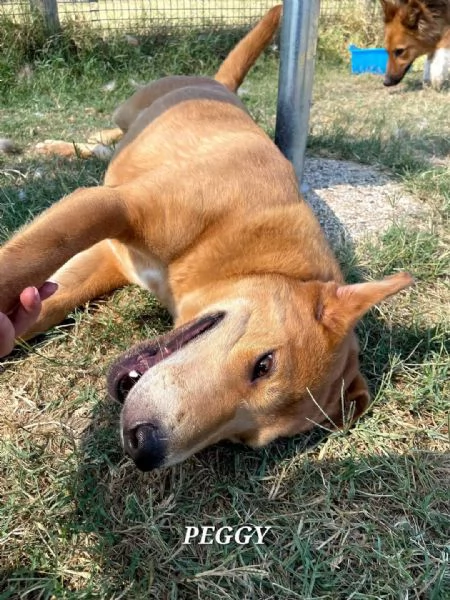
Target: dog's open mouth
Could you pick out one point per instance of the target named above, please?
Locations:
(126, 371)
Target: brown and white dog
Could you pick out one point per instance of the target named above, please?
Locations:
(414, 28)
(199, 206)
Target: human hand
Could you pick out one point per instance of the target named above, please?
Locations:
(24, 315)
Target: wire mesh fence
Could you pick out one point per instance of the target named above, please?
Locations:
(143, 15)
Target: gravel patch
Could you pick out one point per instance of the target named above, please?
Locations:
(355, 202)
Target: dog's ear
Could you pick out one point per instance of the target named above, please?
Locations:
(357, 399)
(426, 20)
(352, 405)
(390, 8)
(341, 306)
(413, 15)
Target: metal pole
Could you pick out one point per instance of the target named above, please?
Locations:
(49, 11)
(298, 48)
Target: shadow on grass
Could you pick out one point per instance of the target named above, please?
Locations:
(401, 151)
(371, 507)
(410, 84)
(416, 85)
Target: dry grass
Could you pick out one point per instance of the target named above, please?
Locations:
(352, 15)
(364, 515)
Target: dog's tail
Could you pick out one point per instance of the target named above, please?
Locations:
(237, 64)
(8, 146)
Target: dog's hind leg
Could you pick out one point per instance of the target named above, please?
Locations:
(81, 150)
(86, 276)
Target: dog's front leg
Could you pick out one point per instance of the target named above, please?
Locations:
(426, 70)
(437, 68)
(72, 225)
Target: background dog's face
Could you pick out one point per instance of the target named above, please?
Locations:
(412, 29)
(266, 358)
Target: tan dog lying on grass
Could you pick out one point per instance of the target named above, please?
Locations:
(199, 206)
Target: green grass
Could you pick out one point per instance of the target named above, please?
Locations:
(364, 515)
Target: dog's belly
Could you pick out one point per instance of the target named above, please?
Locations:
(144, 270)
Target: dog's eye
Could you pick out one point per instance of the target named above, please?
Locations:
(263, 366)
(398, 52)
(125, 384)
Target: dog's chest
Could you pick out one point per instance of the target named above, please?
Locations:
(154, 278)
(151, 278)
(146, 271)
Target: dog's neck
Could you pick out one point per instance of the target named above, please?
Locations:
(284, 240)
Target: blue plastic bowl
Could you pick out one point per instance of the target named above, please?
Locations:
(368, 60)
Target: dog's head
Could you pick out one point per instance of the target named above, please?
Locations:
(412, 28)
(268, 357)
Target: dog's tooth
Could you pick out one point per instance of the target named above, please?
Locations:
(133, 374)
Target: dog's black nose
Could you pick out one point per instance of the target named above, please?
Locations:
(389, 81)
(145, 444)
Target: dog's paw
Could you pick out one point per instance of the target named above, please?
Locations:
(105, 136)
(439, 84)
(56, 147)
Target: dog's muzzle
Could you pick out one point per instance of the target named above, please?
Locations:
(146, 442)
(390, 80)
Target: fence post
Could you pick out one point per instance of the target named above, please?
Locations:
(298, 48)
(48, 9)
